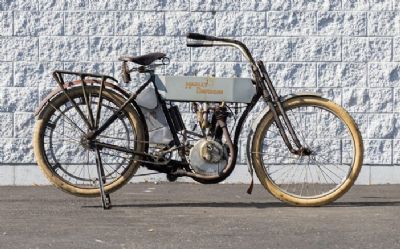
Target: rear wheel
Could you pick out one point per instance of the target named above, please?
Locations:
(68, 159)
(334, 140)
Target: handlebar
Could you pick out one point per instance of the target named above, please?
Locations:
(200, 40)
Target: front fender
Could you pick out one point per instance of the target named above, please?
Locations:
(257, 121)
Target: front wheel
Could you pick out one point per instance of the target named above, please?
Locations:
(334, 140)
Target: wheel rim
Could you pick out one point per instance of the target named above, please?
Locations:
(74, 163)
(321, 173)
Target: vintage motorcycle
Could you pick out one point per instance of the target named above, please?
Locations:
(91, 136)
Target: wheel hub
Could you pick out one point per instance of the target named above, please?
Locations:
(87, 143)
(303, 152)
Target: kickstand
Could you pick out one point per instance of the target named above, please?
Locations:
(105, 197)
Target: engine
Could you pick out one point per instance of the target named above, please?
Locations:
(208, 157)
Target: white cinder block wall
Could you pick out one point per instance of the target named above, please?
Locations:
(349, 50)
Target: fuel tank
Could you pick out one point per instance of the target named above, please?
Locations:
(205, 89)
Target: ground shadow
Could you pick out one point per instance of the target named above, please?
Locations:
(247, 204)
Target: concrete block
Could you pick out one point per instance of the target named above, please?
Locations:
(255, 5)
(384, 23)
(174, 47)
(396, 5)
(179, 23)
(354, 49)
(47, 23)
(101, 23)
(377, 151)
(261, 48)
(202, 5)
(383, 74)
(316, 49)
(127, 23)
(77, 5)
(253, 23)
(105, 5)
(16, 150)
(6, 122)
(381, 126)
(212, 5)
(64, 48)
(12, 99)
(110, 48)
(396, 48)
(33, 74)
(18, 48)
(134, 23)
(342, 74)
(23, 125)
(27, 5)
(6, 22)
(229, 23)
(396, 101)
(226, 54)
(356, 99)
(379, 49)
(6, 71)
(355, 4)
(381, 99)
(152, 23)
(76, 23)
(166, 5)
(89, 23)
(342, 23)
(232, 70)
(379, 5)
(291, 23)
(293, 74)
(106, 68)
(306, 5)
(51, 5)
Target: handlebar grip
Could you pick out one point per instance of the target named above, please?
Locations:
(197, 36)
(201, 43)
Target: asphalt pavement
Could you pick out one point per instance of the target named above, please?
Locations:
(183, 215)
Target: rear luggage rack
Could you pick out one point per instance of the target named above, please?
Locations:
(58, 76)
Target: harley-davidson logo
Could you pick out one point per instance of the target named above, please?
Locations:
(201, 87)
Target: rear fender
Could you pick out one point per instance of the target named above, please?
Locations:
(93, 82)
(257, 121)
(56, 91)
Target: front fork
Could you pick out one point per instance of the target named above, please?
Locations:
(275, 105)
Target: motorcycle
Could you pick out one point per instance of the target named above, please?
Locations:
(91, 135)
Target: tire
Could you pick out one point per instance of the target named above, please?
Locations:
(63, 158)
(306, 180)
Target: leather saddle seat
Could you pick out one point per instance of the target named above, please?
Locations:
(143, 60)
